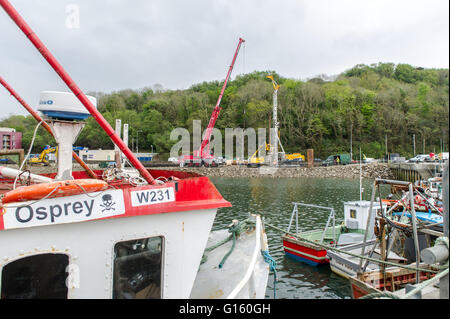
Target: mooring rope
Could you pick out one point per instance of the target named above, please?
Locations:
(272, 267)
(352, 254)
(235, 230)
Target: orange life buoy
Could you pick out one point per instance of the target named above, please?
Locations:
(55, 189)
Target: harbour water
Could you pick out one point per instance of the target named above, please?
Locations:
(272, 198)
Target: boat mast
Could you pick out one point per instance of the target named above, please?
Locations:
(360, 176)
(20, 22)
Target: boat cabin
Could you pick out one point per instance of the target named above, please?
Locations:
(356, 214)
(435, 187)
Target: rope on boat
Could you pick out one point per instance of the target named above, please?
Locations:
(233, 232)
(273, 267)
(28, 153)
(235, 229)
(356, 255)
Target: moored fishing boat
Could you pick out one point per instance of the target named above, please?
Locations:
(307, 246)
(119, 233)
(345, 261)
(393, 281)
(311, 246)
(395, 216)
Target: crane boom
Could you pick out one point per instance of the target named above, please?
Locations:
(217, 108)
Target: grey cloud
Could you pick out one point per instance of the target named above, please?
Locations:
(133, 44)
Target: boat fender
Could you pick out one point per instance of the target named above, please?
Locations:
(54, 189)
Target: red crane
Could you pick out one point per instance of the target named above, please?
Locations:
(202, 156)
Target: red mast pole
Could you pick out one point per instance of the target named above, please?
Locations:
(75, 89)
(44, 124)
(216, 111)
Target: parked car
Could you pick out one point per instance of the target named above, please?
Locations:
(369, 160)
(219, 160)
(173, 160)
(418, 158)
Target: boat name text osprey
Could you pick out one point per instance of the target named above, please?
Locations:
(63, 210)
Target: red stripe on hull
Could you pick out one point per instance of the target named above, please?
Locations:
(320, 253)
(358, 292)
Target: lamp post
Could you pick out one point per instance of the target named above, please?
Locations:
(137, 140)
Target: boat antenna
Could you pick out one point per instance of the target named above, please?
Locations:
(44, 124)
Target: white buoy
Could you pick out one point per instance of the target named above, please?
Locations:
(13, 173)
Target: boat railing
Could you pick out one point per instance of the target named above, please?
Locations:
(249, 277)
(331, 218)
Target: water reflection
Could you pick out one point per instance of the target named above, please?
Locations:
(272, 198)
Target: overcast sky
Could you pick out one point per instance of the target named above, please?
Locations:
(118, 44)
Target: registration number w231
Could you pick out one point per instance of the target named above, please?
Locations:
(152, 196)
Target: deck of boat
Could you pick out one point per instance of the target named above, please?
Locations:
(213, 282)
(347, 265)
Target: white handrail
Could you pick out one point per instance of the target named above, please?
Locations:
(252, 265)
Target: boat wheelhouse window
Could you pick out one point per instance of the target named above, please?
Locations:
(40, 276)
(137, 269)
(353, 213)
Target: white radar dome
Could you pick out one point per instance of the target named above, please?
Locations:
(63, 105)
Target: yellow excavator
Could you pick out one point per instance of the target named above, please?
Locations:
(256, 161)
(43, 157)
(293, 156)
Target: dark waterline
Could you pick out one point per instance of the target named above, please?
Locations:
(272, 199)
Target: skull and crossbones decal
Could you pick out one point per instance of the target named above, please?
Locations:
(107, 203)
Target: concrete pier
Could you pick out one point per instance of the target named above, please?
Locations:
(411, 172)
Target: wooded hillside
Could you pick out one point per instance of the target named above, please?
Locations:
(369, 101)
